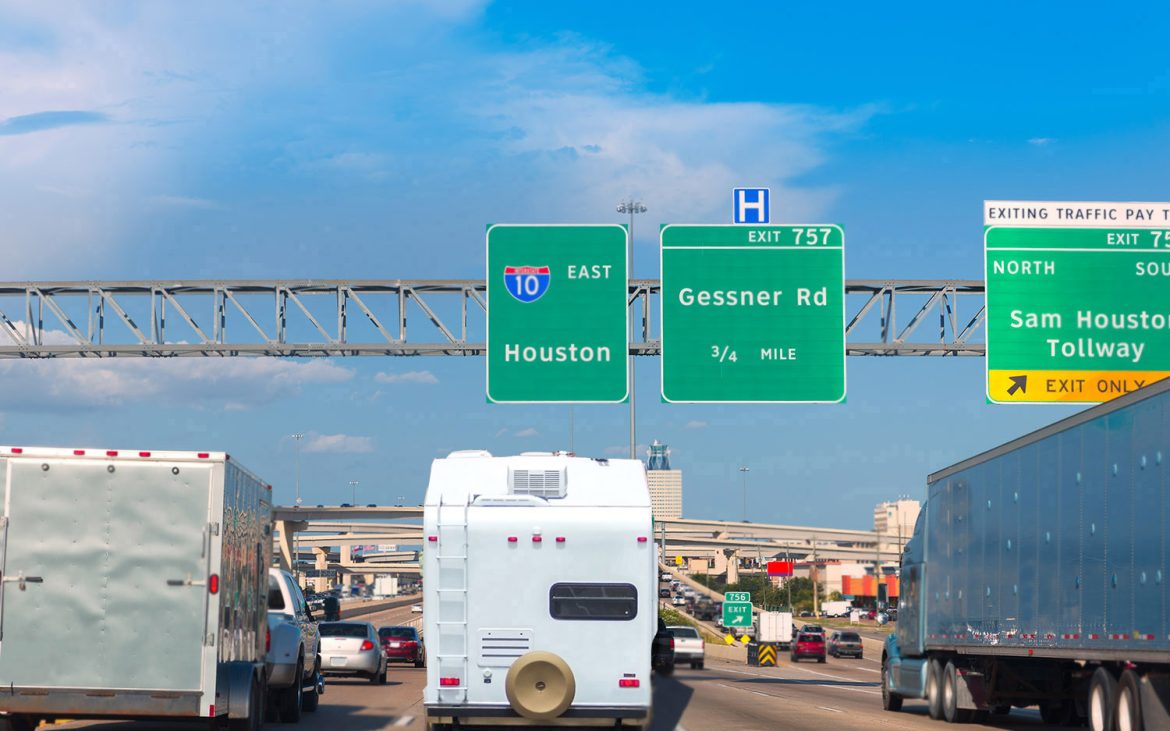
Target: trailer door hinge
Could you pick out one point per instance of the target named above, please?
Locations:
(187, 582)
(21, 580)
(215, 529)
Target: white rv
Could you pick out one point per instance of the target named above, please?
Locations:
(540, 603)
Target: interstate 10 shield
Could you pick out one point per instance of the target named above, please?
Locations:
(557, 322)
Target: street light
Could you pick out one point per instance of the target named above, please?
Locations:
(744, 470)
(631, 207)
(353, 486)
(296, 540)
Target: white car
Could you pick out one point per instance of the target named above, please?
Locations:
(416, 609)
(294, 658)
(352, 648)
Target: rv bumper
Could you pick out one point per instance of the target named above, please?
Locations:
(504, 715)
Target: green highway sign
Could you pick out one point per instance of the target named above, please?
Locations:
(557, 329)
(737, 614)
(1077, 299)
(737, 596)
(753, 314)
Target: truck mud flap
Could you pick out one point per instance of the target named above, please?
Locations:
(972, 691)
(1155, 701)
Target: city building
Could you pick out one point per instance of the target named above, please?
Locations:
(665, 483)
(894, 520)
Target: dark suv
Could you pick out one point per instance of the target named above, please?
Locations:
(845, 643)
(662, 650)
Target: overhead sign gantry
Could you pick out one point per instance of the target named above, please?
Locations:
(1078, 299)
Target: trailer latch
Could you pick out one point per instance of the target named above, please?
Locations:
(21, 580)
(187, 582)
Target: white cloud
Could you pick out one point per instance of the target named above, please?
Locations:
(230, 383)
(529, 432)
(179, 201)
(1041, 141)
(501, 431)
(423, 377)
(338, 444)
(696, 424)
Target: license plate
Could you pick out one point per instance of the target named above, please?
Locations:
(338, 662)
(396, 644)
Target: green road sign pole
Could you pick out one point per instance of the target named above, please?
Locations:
(557, 328)
(753, 314)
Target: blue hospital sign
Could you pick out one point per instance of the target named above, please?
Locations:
(751, 205)
(526, 284)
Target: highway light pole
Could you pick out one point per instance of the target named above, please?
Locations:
(631, 207)
(743, 471)
(353, 486)
(296, 541)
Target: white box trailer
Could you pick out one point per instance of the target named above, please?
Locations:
(540, 604)
(133, 584)
(385, 586)
(775, 627)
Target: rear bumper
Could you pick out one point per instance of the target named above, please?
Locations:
(366, 663)
(575, 716)
(688, 655)
(76, 703)
(848, 651)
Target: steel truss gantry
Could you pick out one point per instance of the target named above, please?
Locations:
(369, 317)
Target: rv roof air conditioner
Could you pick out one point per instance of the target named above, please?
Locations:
(545, 484)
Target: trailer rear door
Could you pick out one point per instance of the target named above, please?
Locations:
(119, 552)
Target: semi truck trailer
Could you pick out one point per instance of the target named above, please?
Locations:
(133, 584)
(1038, 574)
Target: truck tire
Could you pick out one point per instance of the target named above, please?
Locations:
(950, 697)
(891, 701)
(16, 722)
(934, 689)
(1129, 702)
(289, 703)
(1102, 700)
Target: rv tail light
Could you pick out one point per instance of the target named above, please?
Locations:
(537, 539)
(111, 453)
(79, 452)
(433, 539)
(144, 454)
(203, 455)
(641, 539)
(512, 539)
(560, 539)
(672, 643)
(448, 682)
(268, 640)
(213, 584)
(367, 646)
(18, 450)
(629, 683)
(211, 711)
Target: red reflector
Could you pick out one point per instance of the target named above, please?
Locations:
(203, 455)
(79, 452)
(537, 539)
(560, 539)
(112, 453)
(629, 683)
(641, 539)
(268, 639)
(211, 711)
(433, 539)
(144, 454)
(512, 539)
(448, 682)
(367, 645)
(213, 584)
(18, 450)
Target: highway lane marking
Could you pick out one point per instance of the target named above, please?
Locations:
(834, 710)
(404, 721)
(819, 685)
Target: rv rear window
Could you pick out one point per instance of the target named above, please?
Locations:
(593, 601)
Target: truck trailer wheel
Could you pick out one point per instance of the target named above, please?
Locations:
(1102, 700)
(540, 686)
(290, 699)
(1129, 702)
(934, 689)
(950, 697)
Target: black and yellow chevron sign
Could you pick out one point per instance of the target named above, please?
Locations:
(767, 655)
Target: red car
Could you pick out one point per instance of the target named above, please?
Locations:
(402, 644)
(809, 644)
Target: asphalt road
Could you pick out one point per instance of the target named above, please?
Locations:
(811, 696)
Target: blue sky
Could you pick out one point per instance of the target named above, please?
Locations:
(278, 140)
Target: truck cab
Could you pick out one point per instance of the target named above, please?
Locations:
(294, 650)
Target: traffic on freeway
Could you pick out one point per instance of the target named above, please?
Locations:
(481, 364)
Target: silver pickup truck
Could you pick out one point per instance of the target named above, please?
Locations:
(688, 646)
(295, 682)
